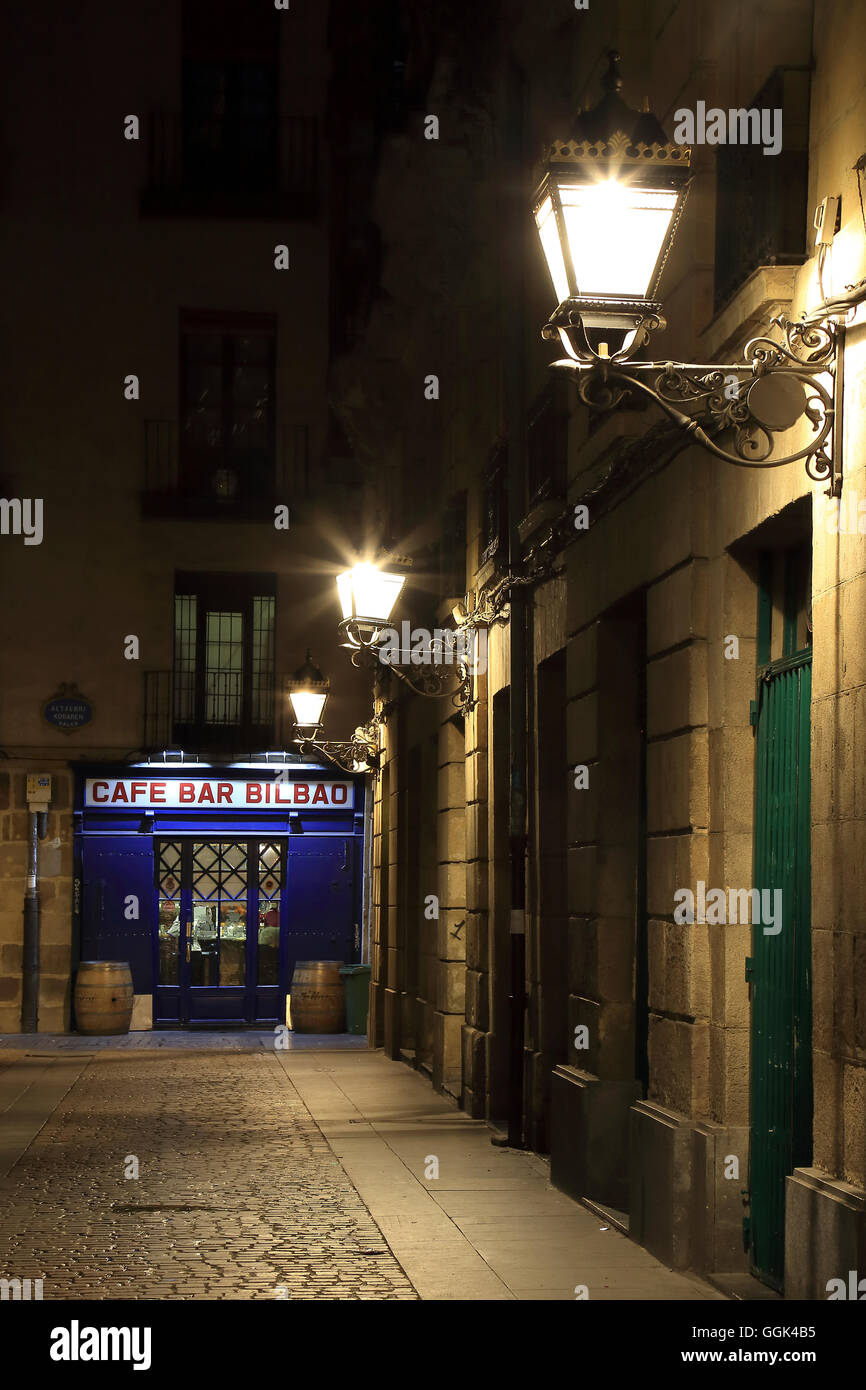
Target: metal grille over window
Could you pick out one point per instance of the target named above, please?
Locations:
(169, 911)
(263, 660)
(219, 914)
(223, 667)
(185, 623)
(270, 876)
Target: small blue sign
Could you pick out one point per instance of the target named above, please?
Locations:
(68, 709)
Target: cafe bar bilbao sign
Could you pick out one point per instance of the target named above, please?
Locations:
(150, 793)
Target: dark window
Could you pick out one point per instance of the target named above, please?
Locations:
(761, 199)
(547, 444)
(230, 96)
(227, 432)
(224, 667)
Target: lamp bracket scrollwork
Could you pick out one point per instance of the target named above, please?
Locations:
(433, 680)
(751, 402)
(357, 754)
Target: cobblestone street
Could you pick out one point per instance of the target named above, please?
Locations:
(238, 1195)
(325, 1171)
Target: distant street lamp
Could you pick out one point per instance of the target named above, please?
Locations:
(606, 211)
(308, 694)
(367, 596)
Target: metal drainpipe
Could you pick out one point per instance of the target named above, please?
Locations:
(515, 413)
(30, 948)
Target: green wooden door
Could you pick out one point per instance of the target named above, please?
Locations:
(780, 969)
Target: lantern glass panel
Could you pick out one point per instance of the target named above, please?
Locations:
(548, 231)
(368, 592)
(615, 232)
(307, 706)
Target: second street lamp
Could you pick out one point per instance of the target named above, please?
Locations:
(308, 692)
(367, 597)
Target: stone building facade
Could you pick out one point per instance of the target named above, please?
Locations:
(655, 639)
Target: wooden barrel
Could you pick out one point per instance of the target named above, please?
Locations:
(317, 998)
(103, 997)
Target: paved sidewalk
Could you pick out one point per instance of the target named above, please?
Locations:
(308, 1173)
(490, 1225)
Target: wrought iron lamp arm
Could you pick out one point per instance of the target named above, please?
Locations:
(433, 682)
(347, 753)
(603, 382)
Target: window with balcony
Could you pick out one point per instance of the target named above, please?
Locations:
(229, 150)
(226, 428)
(223, 680)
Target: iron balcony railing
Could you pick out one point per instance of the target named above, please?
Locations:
(233, 718)
(231, 166)
(224, 483)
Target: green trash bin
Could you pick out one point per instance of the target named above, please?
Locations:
(356, 982)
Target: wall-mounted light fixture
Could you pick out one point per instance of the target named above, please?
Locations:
(308, 693)
(606, 211)
(367, 597)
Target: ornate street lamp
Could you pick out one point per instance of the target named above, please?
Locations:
(606, 211)
(367, 598)
(308, 693)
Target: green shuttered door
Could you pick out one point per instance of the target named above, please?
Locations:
(781, 970)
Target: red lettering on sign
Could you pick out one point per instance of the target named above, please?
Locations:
(254, 792)
(206, 794)
(137, 789)
(186, 793)
(224, 792)
(119, 793)
(339, 794)
(302, 793)
(95, 793)
(282, 794)
(320, 794)
(157, 792)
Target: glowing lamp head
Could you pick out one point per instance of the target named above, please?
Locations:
(606, 211)
(367, 596)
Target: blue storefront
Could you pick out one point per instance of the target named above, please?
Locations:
(213, 881)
